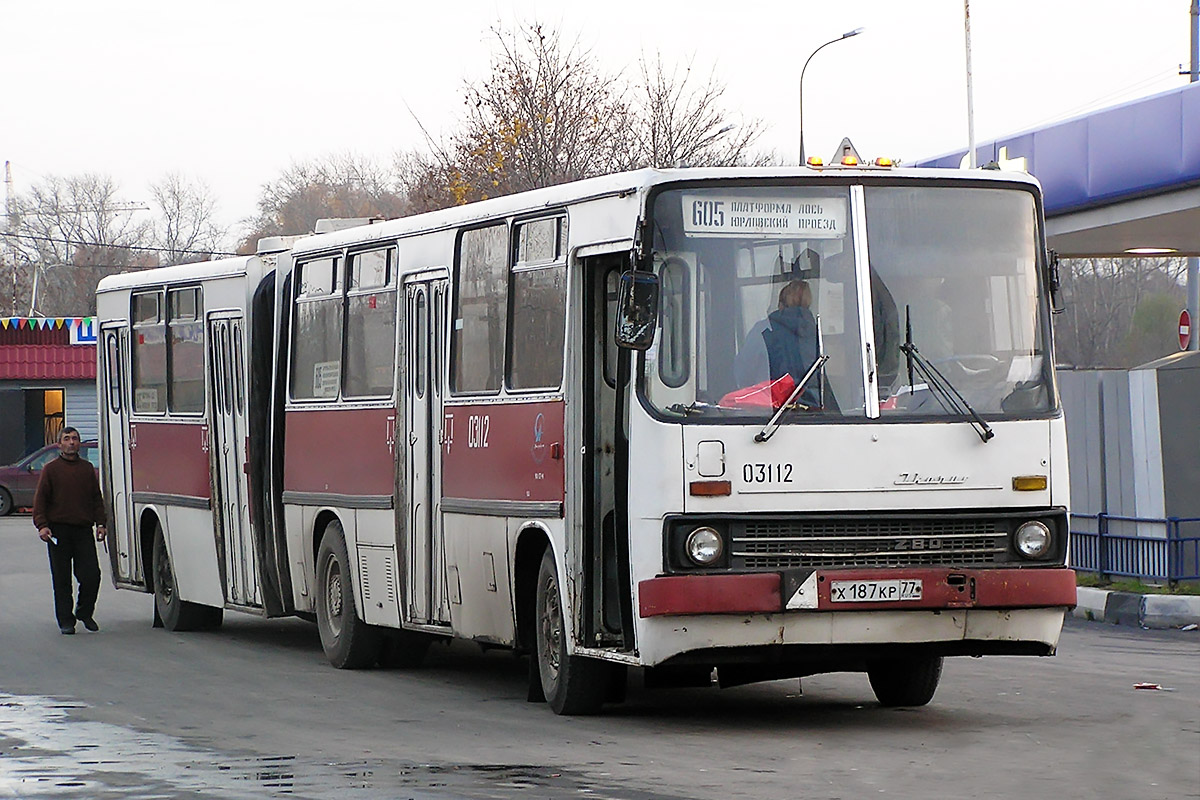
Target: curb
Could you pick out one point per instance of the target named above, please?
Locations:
(1158, 611)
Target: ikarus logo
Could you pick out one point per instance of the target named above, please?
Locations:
(539, 447)
(921, 479)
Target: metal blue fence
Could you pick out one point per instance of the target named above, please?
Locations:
(1119, 546)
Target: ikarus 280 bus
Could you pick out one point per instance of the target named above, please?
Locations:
(718, 425)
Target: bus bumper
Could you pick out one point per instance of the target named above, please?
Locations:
(856, 590)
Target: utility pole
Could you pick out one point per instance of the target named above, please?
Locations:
(970, 88)
(1193, 263)
(14, 222)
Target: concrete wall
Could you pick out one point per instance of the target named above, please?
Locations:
(1135, 451)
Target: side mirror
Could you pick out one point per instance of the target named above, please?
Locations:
(637, 309)
(1054, 282)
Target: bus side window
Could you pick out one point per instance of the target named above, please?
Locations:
(673, 354)
(317, 331)
(185, 353)
(606, 330)
(113, 363)
(539, 297)
(149, 353)
(481, 310)
(371, 324)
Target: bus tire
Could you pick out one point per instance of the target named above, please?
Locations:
(175, 614)
(572, 685)
(905, 681)
(349, 643)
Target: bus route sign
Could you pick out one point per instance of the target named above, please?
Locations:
(782, 217)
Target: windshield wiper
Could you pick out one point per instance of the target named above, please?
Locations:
(939, 385)
(695, 407)
(769, 429)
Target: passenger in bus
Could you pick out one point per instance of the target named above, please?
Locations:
(784, 343)
(65, 506)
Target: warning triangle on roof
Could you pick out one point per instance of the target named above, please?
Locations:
(846, 148)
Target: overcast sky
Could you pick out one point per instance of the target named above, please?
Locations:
(232, 92)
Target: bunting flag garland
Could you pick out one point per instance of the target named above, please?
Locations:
(46, 323)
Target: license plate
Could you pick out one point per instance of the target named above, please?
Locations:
(874, 591)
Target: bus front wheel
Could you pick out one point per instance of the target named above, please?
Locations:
(349, 642)
(571, 684)
(905, 681)
(176, 614)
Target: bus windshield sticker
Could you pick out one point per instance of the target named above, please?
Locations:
(146, 400)
(784, 217)
(326, 375)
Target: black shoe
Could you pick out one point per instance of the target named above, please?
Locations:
(67, 629)
(90, 624)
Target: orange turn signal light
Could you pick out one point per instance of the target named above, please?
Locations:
(1029, 483)
(710, 488)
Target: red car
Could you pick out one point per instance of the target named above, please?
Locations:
(19, 481)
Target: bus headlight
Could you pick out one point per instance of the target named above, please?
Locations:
(1033, 539)
(704, 546)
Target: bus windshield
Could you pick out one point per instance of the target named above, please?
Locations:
(758, 283)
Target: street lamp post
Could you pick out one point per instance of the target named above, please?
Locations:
(845, 35)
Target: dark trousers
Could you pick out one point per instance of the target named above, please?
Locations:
(75, 551)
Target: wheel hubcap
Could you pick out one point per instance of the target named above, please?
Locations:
(162, 578)
(551, 629)
(333, 595)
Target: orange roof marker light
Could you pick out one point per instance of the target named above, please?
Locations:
(816, 161)
(849, 161)
(884, 161)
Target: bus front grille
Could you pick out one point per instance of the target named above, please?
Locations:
(847, 543)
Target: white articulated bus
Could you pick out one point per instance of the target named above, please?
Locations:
(745, 423)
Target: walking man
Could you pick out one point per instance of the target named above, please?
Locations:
(65, 506)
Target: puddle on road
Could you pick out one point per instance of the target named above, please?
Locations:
(46, 753)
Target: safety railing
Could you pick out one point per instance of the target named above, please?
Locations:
(1136, 547)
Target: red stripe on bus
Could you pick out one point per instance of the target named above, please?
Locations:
(960, 588)
(170, 458)
(503, 451)
(342, 451)
(710, 594)
(760, 593)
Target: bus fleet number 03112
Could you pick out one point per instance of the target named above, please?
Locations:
(767, 473)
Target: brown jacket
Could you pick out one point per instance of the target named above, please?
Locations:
(68, 493)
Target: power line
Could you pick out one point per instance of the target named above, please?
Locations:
(78, 243)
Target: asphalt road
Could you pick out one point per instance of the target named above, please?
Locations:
(253, 710)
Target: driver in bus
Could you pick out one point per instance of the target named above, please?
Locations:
(784, 343)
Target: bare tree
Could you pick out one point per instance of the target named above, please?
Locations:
(186, 229)
(343, 185)
(679, 121)
(72, 231)
(545, 115)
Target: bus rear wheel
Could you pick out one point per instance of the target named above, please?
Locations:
(176, 614)
(571, 684)
(349, 643)
(905, 681)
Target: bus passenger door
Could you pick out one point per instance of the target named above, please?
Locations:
(227, 440)
(425, 348)
(125, 554)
